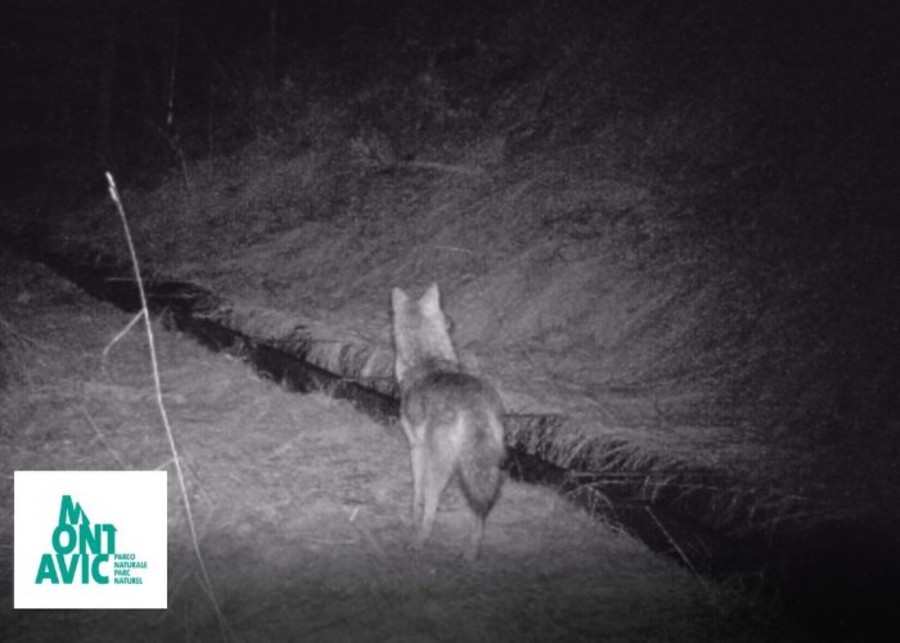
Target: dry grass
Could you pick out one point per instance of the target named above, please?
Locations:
(302, 505)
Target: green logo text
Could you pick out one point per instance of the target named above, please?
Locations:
(80, 549)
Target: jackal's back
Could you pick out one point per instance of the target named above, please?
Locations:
(458, 416)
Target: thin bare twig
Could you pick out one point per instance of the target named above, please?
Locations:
(176, 459)
(103, 439)
(683, 556)
(122, 333)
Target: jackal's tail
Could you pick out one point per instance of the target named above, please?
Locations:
(479, 462)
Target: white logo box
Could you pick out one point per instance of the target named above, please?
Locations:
(127, 509)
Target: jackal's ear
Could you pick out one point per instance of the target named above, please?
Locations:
(431, 300)
(399, 299)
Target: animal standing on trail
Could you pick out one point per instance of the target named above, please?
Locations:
(451, 418)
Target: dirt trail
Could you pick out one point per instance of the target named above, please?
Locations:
(302, 506)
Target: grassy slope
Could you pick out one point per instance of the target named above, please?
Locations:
(668, 222)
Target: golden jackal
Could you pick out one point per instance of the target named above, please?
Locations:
(451, 418)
